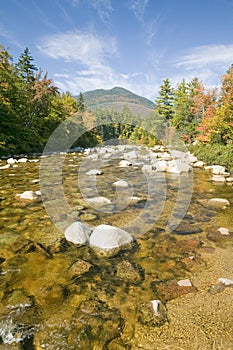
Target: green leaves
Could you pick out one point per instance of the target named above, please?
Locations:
(30, 105)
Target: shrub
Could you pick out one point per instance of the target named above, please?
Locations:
(215, 153)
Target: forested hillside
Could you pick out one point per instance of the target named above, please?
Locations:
(116, 99)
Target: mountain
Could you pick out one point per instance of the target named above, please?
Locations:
(116, 98)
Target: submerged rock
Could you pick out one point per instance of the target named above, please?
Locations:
(218, 201)
(94, 325)
(109, 237)
(5, 166)
(129, 272)
(29, 195)
(99, 200)
(187, 229)
(171, 290)
(219, 236)
(18, 299)
(222, 284)
(80, 267)
(78, 233)
(152, 313)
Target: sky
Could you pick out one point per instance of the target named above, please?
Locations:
(135, 44)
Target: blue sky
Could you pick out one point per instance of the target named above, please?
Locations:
(90, 44)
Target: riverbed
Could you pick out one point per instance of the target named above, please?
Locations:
(57, 295)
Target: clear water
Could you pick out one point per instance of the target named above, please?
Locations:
(55, 295)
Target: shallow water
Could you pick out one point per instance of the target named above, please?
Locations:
(55, 295)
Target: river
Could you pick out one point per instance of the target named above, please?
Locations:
(57, 295)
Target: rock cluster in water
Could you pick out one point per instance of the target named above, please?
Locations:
(94, 288)
(103, 236)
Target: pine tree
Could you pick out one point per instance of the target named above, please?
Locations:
(80, 103)
(26, 69)
(164, 103)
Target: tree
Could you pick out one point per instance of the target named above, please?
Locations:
(9, 91)
(164, 103)
(206, 125)
(181, 107)
(25, 68)
(217, 124)
(197, 99)
(80, 103)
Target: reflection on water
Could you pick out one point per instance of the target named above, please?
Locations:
(55, 295)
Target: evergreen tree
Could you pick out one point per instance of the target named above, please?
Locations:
(182, 119)
(164, 103)
(26, 69)
(80, 103)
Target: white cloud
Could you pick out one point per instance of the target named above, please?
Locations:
(9, 37)
(207, 63)
(104, 9)
(202, 56)
(85, 48)
(106, 78)
(138, 7)
(148, 25)
(61, 75)
(89, 66)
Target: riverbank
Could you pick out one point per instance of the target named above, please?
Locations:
(200, 320)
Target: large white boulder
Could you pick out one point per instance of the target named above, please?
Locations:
(109, 237)
(78, 233)
(11, 161)
(216, 169)
(160, 165)
(23, 160)
(178, 154)
(166, 156)
(178, 166)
